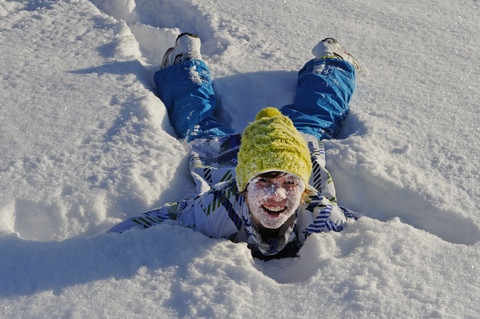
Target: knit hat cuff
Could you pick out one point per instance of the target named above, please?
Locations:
(273, 170)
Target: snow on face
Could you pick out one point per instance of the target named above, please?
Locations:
(272, 200)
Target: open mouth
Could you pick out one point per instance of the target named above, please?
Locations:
(275, 211)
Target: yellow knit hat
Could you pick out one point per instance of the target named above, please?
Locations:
(272, 143)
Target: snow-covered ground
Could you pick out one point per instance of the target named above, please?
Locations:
(85, 143)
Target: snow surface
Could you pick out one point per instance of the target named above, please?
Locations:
(85, 143)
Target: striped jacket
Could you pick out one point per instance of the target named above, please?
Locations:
(218, 210)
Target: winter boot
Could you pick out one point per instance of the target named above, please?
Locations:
(330, 48)
(187, 47)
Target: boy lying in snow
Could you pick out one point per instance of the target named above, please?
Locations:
(267, 186)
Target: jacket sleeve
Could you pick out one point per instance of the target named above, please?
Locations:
(322, 215)
(167, 213)
(214, 214)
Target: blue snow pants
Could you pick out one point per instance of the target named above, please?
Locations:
(320, 105)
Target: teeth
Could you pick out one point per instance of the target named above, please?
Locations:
(275, 209)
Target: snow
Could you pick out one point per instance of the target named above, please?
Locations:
(85, 143)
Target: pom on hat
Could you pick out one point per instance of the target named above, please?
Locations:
(267, 112)
(272, 143)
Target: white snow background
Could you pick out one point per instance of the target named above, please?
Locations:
(85, 143)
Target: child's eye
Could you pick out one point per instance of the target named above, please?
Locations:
(290, 182)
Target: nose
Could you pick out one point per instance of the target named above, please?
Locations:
(278, 193)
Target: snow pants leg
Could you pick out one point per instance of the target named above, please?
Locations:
(324, 89)
(187, 92)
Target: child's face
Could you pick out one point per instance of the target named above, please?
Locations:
(272, 200)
